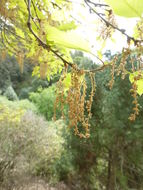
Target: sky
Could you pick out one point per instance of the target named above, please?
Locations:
(89, 24)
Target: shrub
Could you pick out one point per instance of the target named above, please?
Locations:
(10, 94)
(24, 92)
(22, 104)
(29, 146)
(44, 101)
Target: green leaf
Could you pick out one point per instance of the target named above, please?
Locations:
(67, 82)
(19, 32)
(139, 82)
(67, 39)
(67, 26)
(140, 87)
(106, 63)
(127, 8)
(131, 77)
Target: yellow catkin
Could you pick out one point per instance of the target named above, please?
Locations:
(111, 82)
(121, 68)
(60, 100)
(79, 110)
(105, 31)
(3, 54)
(133, 91)
(5, 12)
(43, 70)
(20, 60)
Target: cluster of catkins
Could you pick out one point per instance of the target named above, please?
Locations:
(79, 107)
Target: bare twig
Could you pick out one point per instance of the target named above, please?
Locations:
(98, 4)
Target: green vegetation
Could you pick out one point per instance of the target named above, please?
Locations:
(30, 146)
(44, 101)
(113, 153)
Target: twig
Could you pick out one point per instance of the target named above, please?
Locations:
(48, 47)
(36, 12)
(129, 38)
(98, 4)
(101, 68)
(44, 45)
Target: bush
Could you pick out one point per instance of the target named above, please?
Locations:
(29, 146)
(10, 94)
(24, 93)
(44, 101)
(33, 86)
(22, 104)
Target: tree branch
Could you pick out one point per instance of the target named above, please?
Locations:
(101, 68)
(43, 44)
(36, 12)
(98, 4)
(129, 38)
(48, 47)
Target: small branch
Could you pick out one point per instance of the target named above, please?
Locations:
(56, 5)
(48, 47)
(44, 45)
(129, 38)
(36, 12)
(98, 4)
(14, 33)
(99, 59)
(4, 41)
(101, 68)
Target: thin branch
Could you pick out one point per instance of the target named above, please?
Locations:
(4, 41)
(36, 12)
(44, 45)
(14, 33)
(48, 47)
(129, 38)
(101, 68)
(98, 4)
(56, 5)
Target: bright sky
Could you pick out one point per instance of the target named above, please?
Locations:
(90, 25)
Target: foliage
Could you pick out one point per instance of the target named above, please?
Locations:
(67, 39)
(113, 152)
(44, 100)
(10, 74)
(22, 83)
(57, 25)
(32, 86)
(45, 31)
(127, 8)
(10, 93)
(139, 82)
(16, 105)
(115, 143)
(7, 113)
(29, 146)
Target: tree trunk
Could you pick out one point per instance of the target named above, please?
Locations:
(111, 176)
